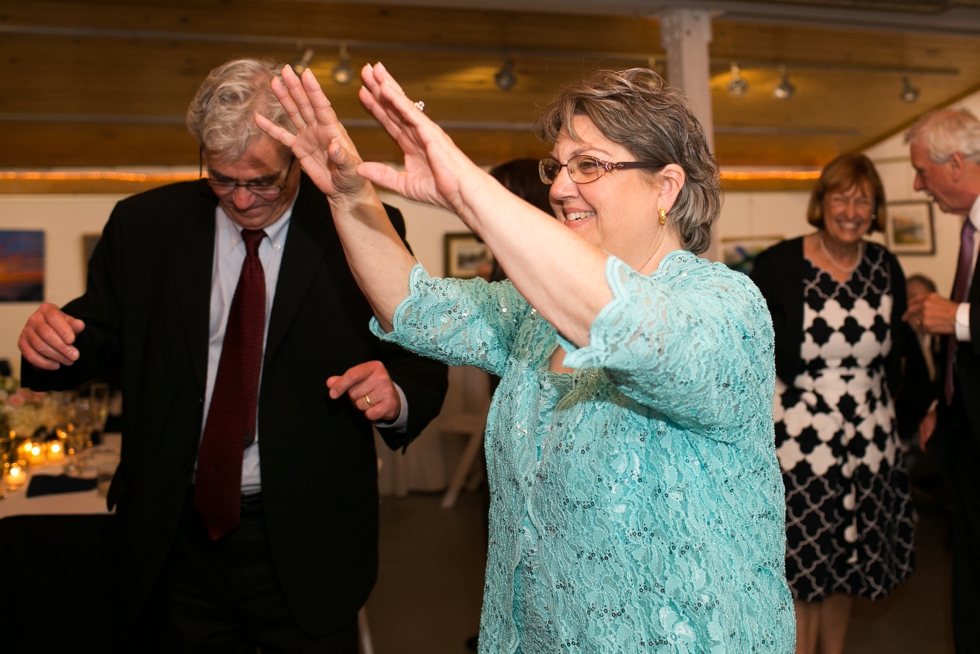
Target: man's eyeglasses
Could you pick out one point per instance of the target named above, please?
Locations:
(584, 169)
(266, 190)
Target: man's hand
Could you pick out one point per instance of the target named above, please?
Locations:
(926, 428)
(46, 340)
(370, 389)
(931, 314)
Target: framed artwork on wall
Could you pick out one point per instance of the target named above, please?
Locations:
(464, 255)
(21, 266)
(909, 229)
(739, 252)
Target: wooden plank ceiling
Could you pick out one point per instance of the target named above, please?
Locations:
(105, 83)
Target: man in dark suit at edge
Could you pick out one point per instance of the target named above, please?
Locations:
(246, 497)
(945, 152)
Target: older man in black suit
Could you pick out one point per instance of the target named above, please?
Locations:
(247, 492)
(945, 152)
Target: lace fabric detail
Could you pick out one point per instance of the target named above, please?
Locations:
(636, 503)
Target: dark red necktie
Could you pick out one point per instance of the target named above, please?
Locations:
(230, 427)
(959, 295)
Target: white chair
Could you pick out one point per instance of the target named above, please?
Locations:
(466, 415)
(365, 634)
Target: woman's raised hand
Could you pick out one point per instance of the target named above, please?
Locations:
(434, 166)
(321, 143)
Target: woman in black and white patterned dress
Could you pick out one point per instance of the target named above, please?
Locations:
(836, 302)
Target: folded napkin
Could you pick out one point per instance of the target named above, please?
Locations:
(53, 484)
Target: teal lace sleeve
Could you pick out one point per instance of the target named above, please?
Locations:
(461, 322)
(692, 340)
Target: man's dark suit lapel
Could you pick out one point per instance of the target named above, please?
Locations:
(302, 256)
(192, 273)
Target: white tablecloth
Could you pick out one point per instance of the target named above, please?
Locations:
(17, 502)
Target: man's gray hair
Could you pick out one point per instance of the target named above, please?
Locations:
(222, 114)
(946, 132)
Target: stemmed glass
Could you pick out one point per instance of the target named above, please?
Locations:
(91, 414)
(6, 447)
(99, 399)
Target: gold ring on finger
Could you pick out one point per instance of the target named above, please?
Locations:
(367, 401)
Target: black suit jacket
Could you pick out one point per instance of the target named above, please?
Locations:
(960, 419)
(146, 310)
(778, 272)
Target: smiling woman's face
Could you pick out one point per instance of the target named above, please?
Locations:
(618, 211)
(847, 215)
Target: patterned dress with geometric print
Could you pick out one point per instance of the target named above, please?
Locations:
(848, 508)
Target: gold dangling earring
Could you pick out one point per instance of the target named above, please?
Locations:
(663, 215)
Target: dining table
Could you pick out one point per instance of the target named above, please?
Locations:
(91, 501)
(60, 565)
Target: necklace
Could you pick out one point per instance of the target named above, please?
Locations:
(837, 264)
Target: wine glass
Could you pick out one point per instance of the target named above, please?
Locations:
(99, 399)
(6, 443)
(77, 439)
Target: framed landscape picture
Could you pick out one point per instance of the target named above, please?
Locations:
(909, 228)
(464, 254)
(21, 266)
(739, 252)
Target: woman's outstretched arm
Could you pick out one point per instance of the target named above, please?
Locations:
(377, 256)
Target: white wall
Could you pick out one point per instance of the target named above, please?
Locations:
(65, 218)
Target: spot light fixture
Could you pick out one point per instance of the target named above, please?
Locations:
(342, 73)
(504, 78)
(785, 89)
(303, 61)
(737, 86)
(909, 93)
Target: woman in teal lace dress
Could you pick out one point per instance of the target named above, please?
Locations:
(637, 504)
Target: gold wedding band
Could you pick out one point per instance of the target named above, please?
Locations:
(368, 401)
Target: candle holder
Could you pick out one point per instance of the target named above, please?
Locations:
(35, 452)
(14, 476)
(55, 451)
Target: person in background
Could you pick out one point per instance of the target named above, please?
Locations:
(836, 301)
(636, 498)
(520, 177)
(246, 496)
(945, 150)
(917, 389)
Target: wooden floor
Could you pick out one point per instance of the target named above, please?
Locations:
(427, 600)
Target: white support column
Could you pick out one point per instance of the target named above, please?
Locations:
(685, 35)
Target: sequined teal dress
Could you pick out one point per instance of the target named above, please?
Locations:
(636, 504)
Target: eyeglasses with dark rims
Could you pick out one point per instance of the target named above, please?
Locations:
(584, 169)
(265, 189)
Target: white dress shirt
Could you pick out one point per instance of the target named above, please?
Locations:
(229, 255)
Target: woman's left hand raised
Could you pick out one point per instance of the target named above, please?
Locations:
(321, 143)
(435, 169)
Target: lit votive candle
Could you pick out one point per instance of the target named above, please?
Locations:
(56, 451)
(15, 476)
(35, 453)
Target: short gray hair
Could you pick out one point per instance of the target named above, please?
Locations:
(222, 114)
(637, 110)
(946, 132)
